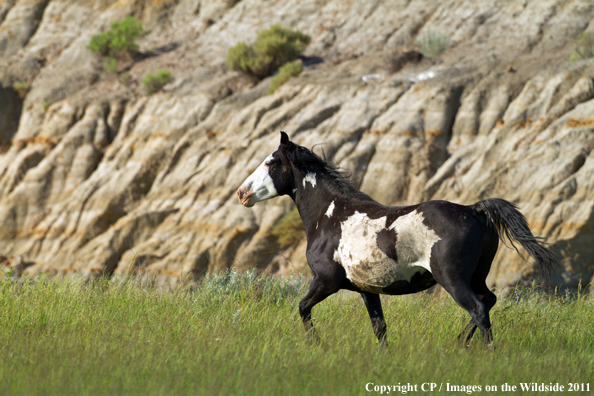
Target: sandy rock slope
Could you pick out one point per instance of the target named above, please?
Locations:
(97, 177)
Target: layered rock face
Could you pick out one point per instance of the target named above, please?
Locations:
(98, 177)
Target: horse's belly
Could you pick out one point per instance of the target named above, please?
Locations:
(378, 275)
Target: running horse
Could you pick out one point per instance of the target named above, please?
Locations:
(358, 244)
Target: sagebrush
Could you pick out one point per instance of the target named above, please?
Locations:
(45, 105)
(22, 88)
(288, 229)
(117, 41)
(432, 43)
(584, 47)
(285, 72)
(274, 47)
(154, 82)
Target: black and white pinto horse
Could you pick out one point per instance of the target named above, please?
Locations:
(357, 244)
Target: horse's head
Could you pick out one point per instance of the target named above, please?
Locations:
(273, 177)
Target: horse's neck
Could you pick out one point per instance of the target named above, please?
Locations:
(313, 199)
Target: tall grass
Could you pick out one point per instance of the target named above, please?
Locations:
(236, 333)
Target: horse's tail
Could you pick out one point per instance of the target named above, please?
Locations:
(508, 221)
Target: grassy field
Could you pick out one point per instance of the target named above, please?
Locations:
(239, 334)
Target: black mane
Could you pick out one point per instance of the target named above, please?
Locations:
(338, 179)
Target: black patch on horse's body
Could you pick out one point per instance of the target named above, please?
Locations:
(420, 281)
(386, 242)
(459, 242)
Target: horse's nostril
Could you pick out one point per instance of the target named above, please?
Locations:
(239, 194)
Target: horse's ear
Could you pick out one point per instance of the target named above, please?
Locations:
(284, 139)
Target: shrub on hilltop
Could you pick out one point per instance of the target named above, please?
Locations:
(432, 43)
(154, 82)
(285, 72)
(584, 47)
(289, 229)
(117, 41)
(274, 47)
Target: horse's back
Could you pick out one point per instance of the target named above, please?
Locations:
(456, 225)
(465, 237)
(448, 218)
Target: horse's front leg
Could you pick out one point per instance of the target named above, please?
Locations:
(376, 314)
(318, 291)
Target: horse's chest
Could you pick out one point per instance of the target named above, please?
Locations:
(376, 255)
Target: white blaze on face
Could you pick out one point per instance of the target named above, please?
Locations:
(310, 177)
(259, 185)
(367, 266)
(330, 210)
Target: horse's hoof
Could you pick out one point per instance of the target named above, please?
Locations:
(383, 346)
(312, 338)
(464, 344)
(489, 347)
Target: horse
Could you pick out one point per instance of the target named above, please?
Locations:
(358, 244)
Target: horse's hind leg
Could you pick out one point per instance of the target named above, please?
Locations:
(376, 314)
(479, 284)
(489, 299)
(318, 291)
(455, 273)
(466, 334)
(478, 310)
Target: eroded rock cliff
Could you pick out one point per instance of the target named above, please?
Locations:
(96, 176)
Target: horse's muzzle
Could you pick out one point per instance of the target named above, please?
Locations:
(245, 197)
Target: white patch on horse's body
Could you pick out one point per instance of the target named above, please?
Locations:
(414, 240)
(367, 266)
(310, 177)
(330, 209)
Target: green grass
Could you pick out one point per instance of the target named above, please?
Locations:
(240, 334)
